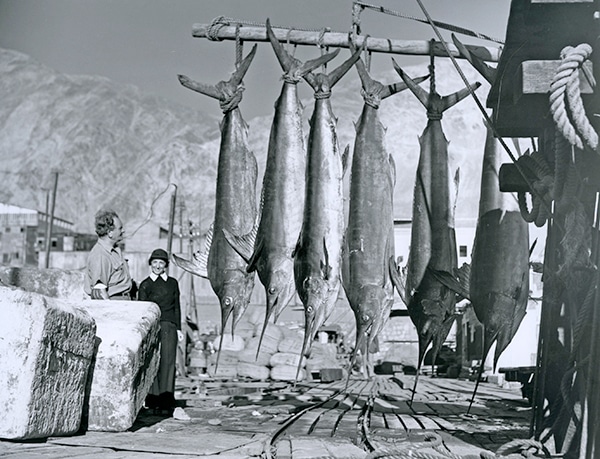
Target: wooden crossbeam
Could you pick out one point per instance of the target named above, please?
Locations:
(341, 40)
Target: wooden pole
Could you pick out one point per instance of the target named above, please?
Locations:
(171, 221)
(340, 40)
(50, 221)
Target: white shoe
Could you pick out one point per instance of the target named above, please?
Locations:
(180, 414)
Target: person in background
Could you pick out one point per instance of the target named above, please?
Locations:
(164, 291)
(107, 273)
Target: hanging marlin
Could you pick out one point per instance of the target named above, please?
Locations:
(235, 207)
(282, 203)
(317, 258)
(368, 254)
(499, 281)
(432, 275)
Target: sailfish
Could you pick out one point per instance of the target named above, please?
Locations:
(432, 282)
(269, 249)
(368, 265)
(235, 206)
(317, 257)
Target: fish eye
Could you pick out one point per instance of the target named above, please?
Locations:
(366, 317)
(309, 310)
(271, 290)
(227, 301)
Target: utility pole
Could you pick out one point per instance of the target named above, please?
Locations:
(181, 207)
(50, 219)
(171, 221)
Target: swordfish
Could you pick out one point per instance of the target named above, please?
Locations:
(368, 254)
(235, 207)
(317, 258)
(432, 283)
(270, 251)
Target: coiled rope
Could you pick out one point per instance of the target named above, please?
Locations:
(565, 98)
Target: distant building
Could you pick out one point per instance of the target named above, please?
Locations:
(23, 236)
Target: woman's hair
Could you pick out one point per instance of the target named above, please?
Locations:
(105, 221)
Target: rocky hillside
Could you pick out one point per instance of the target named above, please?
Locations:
(115, 146)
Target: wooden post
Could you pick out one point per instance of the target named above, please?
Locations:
(171, 221)
(339, 40)
(50, 221)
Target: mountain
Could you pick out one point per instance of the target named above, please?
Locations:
(114, 146)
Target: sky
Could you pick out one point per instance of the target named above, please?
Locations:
(147, 43)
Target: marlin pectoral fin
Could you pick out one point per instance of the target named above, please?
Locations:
(325, 266)
(449, 281)
(488, 72)
(243, 245)
(196, 266)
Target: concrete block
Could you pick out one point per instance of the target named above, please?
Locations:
(46, 349)
(126, 362)
(56, 283)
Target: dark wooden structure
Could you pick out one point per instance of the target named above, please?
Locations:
(563, 180)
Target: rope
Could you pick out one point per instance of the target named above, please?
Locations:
(542, 188)
(441, 25)
(239, 46)
(565, 98)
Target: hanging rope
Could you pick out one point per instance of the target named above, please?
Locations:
(565, 98)
(239, 46)
(542, 188)
(441, 25)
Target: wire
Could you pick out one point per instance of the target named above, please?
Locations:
(441, 25)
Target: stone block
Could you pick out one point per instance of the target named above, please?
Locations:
(46, 350)
(126, 362)
(57, 283)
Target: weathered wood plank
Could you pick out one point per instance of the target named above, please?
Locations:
(339, 40)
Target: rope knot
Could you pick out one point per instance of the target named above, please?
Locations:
(212, 33)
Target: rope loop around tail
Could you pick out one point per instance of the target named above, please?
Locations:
(566, 105)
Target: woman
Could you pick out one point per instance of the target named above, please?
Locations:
(164, 291)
